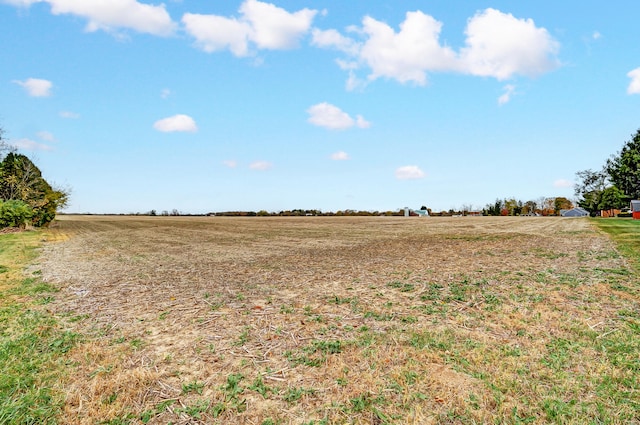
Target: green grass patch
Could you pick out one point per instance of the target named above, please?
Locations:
(626, 234)
(32, 342)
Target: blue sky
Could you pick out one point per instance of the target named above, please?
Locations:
(247, 105)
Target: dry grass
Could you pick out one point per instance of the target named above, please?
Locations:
(344, 320)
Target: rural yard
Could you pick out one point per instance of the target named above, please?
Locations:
(343, 320)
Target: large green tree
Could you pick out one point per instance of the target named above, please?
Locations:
(624, 168)
(21, 180)
(612, 199)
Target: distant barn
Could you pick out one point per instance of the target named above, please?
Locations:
(574, 212)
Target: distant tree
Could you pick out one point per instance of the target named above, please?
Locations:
(612, 199)
(529, 207)
(21, 180)
(561, 203)
(493, 209)
(589, 188)
(623, 169)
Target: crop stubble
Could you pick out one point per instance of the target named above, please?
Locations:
(419, 312)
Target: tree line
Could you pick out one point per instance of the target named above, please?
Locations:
(617, 183)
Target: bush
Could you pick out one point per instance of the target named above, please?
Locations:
(14, 213)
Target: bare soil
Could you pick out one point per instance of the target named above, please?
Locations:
(347, 320)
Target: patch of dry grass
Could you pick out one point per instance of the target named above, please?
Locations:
(345, 320)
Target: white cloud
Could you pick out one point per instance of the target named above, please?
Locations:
(30, 145)
(165, 93)
(274, 27)
(36, 87)
(405, 56)
(410, 172)
(69, 114)
(230, 163)
(596, 35)
(330, 116)
(262, 24)
(634, 86)
(501, 46)
(213, 33)
(562, 183)
(260, 165)
(509, 90)
(340, 156)
(333, 39)
(361, 122)
(112, 14)
(178, 122)
(497, 45)
(46, 136)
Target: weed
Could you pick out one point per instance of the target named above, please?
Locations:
(193, 387)
(294, 394)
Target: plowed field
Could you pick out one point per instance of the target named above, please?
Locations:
(342, 320)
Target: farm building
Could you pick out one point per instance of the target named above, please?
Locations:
(635, 209)
(574, 212)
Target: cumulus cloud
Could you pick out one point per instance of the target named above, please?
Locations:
(562, 183)
(340, 156)
(410, 172)
(260, 24)
(260, 165)
(330, 116)
(176, 123)
(30, 145)
(36, 87)
(405, 56)
(497, 45)
(69, 115)
(112, 15)
(634, 86)
(509, 90)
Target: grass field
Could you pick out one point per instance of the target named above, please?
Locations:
(341, 320)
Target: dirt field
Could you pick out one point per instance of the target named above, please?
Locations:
(338, 320)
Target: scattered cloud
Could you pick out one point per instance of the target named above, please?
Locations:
(596, 35)
(69, 115)
(260, 165)
(331, 117)
(509, 90)
(230, 163)
(634, 86)
(497, 45)
(36, 87)
(340, 156)
(176, 123)
(165, 93)
(112, 15)
(46, 136)
(410, 172)
(562, 183)
(30, 145)
(260, 24)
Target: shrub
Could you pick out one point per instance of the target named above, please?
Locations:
(14, 213)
